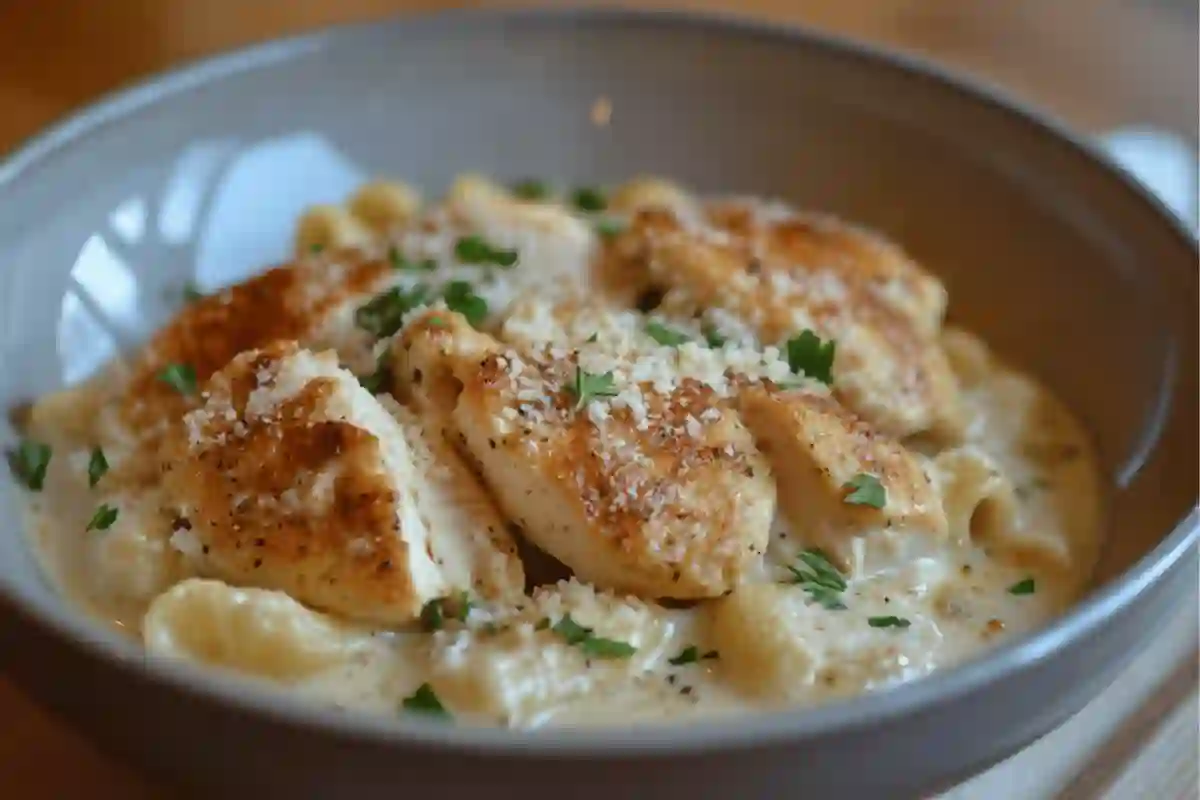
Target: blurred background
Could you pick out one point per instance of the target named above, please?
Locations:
(1097, 63)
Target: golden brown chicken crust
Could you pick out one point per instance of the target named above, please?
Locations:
(661, 505)
(249, 486)
(781, 276)
(816, 448)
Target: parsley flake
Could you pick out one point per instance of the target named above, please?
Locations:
(461, 297)
(476, 250)
(588, 386)
(690, 655)
(103, 519)
(589, 199)
(817, 575)
(97, 466)
(664, 335)
(28, 462)
(435, 613)
(808, 355)
(530, 189)
(190, 293)
(713, 337)
(888, 622)
(316, 248)
(425, 701)
(383, 314)
(399, 262)
(381, 379)
(865, 490)
(180, 377)
(609, 228)
(1026, 586)
(597, 646)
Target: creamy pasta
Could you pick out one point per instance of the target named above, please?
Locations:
(523, 457)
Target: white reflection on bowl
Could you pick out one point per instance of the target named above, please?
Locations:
(221, 216)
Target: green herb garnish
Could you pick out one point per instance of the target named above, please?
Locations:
(461, 297)
(425, 701)
(808, 355)
(589, 199)
(399, 262)
(609, 228)
(190, 293)
(381, 379)
(866, 490)
(690, 655)
(1026, 586)
(316, 248)
(664, 335)
(530, 189)
(383, 314)
(820, 578)
(588, 386)
(435, 613)
(97, 466)
(713, 337)
(103, 519)
(476, 250)
(888, 622)
(575, 634)
(28, 462)
(180, 377)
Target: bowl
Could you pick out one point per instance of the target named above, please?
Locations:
(1058, 259)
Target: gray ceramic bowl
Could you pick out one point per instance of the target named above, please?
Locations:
(1057, 259)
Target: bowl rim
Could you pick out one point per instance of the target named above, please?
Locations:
(234, 693)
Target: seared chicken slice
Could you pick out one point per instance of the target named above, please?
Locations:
(294, 477)
(820, 454)
(779, 273)
(647, 486)
(131, 407)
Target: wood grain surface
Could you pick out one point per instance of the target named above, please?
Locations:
(1096, 63)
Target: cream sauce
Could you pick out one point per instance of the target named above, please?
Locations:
(955, 598)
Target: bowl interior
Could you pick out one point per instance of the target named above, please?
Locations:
(1058, 263)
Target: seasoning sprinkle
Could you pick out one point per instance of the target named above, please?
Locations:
(103, 519)
(97, 466)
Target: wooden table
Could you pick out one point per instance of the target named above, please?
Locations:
(1097, 63)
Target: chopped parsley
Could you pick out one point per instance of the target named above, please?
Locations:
(383, 314)
(865, 490)
(435, 613)
(690, 655)
(575, 634)
(381, 379)
(399, 262)
(180, 377)
(888, 622)
(664, 335)
(589, 199)
(1026, 586)
(713, 336)
(609, 228)
(316, 247)
(476, 250)
(190, 293)
(588, 386)
(808, 355)
(820, 578)
(97, 466)
(460, 296)
(530, 189)
(103, 519)
(425, 701)
(28, 462)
